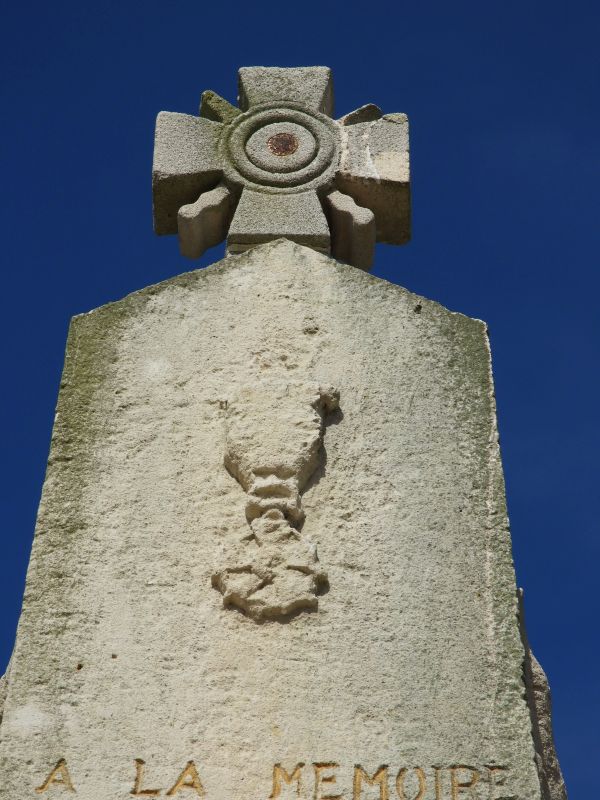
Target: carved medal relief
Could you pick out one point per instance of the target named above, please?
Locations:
(273, 445)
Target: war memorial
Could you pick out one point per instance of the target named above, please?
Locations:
(272, 557)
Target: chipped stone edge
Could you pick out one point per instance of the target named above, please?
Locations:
(3, 692)
(539, 700)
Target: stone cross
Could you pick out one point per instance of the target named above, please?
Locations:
(280, 166)
(272, 556)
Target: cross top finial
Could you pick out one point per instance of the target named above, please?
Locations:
(280, 166)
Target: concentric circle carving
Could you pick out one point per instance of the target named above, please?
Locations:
(283, 148)
(282, 144)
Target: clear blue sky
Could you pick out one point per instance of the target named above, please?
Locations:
(503, 103)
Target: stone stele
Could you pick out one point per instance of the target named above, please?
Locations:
(272, 557)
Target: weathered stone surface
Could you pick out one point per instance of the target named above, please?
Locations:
(366, 113)
(259, 216)
(186, 163)
(273, 445)
(284, 161)
(215, 107)
(3, 690)
(204, 223)
(375, 171)
(540, 704)
(311, 86)
(353, 231)
(129, 675)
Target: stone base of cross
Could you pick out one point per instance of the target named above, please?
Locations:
(280, 166)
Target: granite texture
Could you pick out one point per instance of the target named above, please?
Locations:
(186, 163)
(311, 86)
(283, 191)
(259, 216)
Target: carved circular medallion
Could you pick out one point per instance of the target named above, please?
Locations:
(282, 144)
(280, 148)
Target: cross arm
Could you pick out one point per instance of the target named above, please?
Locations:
(186, 163)
(375, 170)
(310, 86)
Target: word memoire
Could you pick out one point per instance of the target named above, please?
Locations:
(318, 781)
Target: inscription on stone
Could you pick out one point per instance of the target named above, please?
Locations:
(137, 790)
(319, 781)
(58, 776)
(187, 779)
(191, 439)
(453, 782)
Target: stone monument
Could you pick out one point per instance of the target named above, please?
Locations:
(272, 557)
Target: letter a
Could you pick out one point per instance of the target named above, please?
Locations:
(59, 776)
(189, 779)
